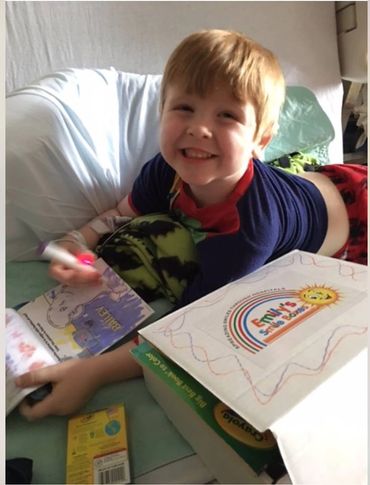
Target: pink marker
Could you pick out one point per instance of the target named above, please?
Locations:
(51, 250)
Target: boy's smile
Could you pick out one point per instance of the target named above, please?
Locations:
(196, 153)
(207, 140)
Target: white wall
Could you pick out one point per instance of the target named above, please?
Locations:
(138, 36)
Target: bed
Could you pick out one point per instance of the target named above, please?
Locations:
(82, 92)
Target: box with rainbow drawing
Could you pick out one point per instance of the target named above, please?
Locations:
(285, 349)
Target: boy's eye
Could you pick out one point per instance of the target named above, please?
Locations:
(183, 107)
(228, 115)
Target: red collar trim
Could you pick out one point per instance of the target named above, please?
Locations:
(243, 185)
(238, 191)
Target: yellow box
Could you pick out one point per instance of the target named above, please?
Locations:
(97, 451)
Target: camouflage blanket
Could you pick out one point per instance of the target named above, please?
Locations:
(154, 254)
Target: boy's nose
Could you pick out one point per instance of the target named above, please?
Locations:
(199, 130)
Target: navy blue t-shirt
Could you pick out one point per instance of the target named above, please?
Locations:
(270, 213)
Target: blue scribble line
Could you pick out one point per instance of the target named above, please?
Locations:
(281, 381)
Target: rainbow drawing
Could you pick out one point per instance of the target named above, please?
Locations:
(256, 321)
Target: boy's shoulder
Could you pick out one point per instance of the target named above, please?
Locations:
(269, 173)
(154, 173)
(159, 164)
(276, 184)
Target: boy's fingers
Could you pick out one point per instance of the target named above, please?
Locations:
(36, 411)
(37, 377)
(60, 273)
(86, 275)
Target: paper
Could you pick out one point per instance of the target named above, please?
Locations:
(324, 438)
(263, 343)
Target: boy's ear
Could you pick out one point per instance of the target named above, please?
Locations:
(261, 145)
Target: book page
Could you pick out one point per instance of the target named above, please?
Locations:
(264, 342)
(24, 352)
(84, 321)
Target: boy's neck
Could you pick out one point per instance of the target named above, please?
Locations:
(211, 194)
(219, 191)
(202, 198)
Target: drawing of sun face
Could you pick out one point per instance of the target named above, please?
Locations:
(319, 295)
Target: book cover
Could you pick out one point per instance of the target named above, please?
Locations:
(262, 343)
(202, 418)
(97, 449)
(67, 322)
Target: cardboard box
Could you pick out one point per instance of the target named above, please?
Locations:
(97, 449)
(285, 349)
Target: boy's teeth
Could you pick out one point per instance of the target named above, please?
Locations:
(191, 153)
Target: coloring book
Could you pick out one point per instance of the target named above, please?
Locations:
(262, 343)
(68, 322)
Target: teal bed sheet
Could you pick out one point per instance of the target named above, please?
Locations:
(153, 441)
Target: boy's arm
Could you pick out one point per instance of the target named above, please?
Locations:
(75, 381)
(91, 236)
(86, 274)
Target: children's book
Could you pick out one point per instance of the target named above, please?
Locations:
(263, 343)
(66, 323)
(231, 448)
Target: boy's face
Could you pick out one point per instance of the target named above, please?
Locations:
(207, 140)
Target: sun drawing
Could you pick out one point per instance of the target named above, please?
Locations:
(319, 295)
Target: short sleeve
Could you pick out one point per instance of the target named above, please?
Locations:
(152, 186)
(225, 258)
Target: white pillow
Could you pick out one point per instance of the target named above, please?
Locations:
(75, 141)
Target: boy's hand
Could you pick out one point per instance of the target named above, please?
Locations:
(73, 383)
(84, 275)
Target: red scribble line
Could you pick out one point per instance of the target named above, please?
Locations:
(330, 264)
(281, 381)
(314, 372)
(309, 260)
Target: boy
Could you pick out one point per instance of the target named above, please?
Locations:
(220, 101)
